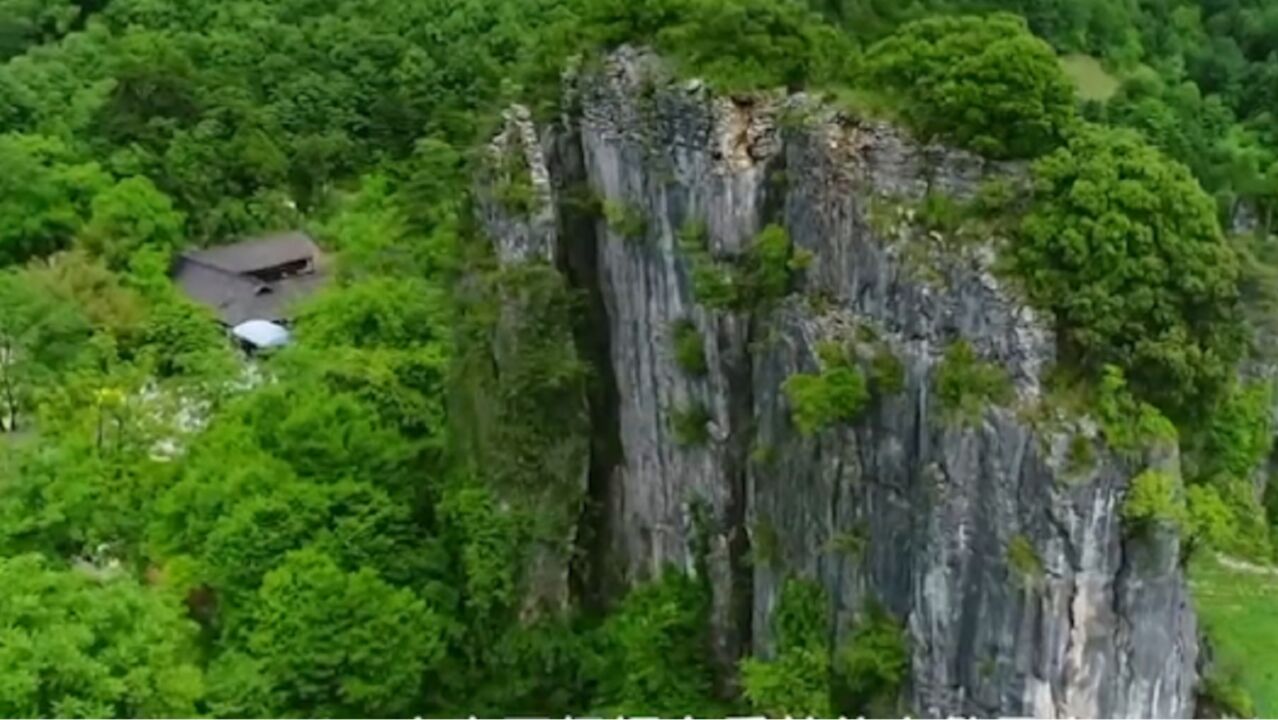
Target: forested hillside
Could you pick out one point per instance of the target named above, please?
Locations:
(347, 526)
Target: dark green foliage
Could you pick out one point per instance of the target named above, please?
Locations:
(738, 44)
(691, 425)
(797, 681)
(871, 668)
(983, 82)
(1081, 455)
(690, 352)
(655, 655)
(1124, 248)
(966, 385)
(887, 372)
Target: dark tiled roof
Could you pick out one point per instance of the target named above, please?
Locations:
(258, 254)
(220, 278)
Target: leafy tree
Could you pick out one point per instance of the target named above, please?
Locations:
(44, 196)
(334, 643)
(983, 82)
(655, 656)
(81, 642)
(39, 336)
(1124, 248)
(129, 216)
(797, 681)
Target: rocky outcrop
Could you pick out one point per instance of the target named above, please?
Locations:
(905, 507)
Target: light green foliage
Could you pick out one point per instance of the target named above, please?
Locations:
(689, 349)
(872, 666)
(1239, 434)
(76, 645)
(129, 216)
(655, 654)
(797, 681)
(1154, 497)
(691, 425)
(767, 271)
(983, 82)
(40, 336)
(756, 280)
(817, 401)
(966, 385)
(1225, 693)
(1124, 247)
(626, 220)
(1090, 78)
(1235, 609)
(1024, 560)
(331, 642)
(1129, 425)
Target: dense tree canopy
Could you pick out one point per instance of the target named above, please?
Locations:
(341, 527)
(983, 82)
(1126, 249)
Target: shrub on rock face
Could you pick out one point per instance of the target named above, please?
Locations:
(985, 83)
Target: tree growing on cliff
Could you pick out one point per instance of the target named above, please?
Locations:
(1123, 246)
(985, 83)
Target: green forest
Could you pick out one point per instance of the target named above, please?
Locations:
(328, 532)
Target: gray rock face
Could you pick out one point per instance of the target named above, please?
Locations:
(1103, 628)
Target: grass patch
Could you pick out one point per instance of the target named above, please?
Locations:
(1090, 78)
(1237, 608)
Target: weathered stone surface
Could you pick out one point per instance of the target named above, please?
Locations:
(1106, 628)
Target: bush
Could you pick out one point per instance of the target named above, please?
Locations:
(655, 654)
(1024, 560)
(734, 44)
(767, 267)
(1154, 498)
(888, 372)
(797, 682)
(625, 220)
(691, 425)
(1224, 693)
(1124, 248)
(966, 385)
(690, 352)
(818, 401)
(985, 83)
(871, 668)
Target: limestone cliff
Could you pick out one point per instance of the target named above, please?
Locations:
(903, 507)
